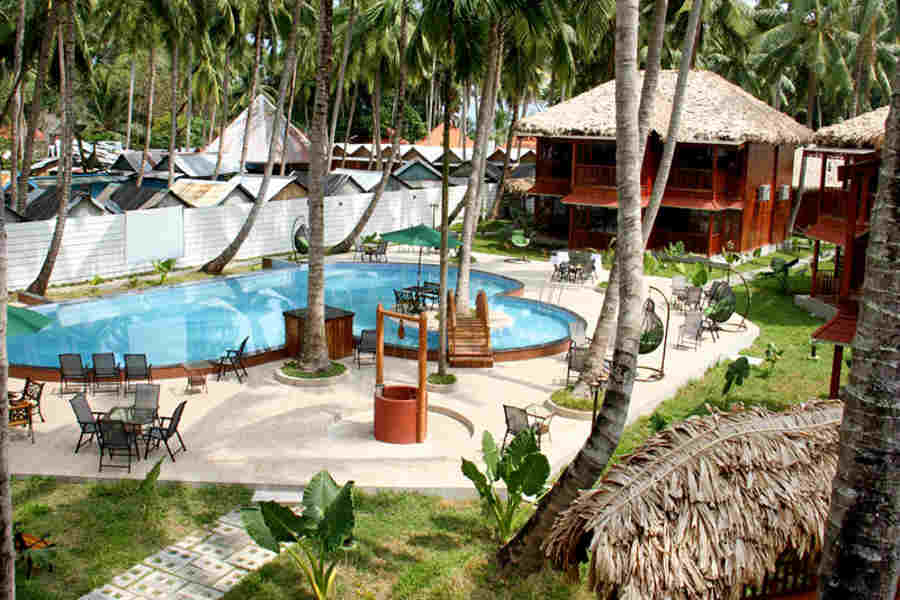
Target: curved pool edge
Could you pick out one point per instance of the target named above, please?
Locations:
(174, 371)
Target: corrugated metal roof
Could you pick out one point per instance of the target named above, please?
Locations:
(420, 164)
(263, 120)
(369, 180)
(198, 165)
(253, 183)
(203, 193)
(130, 197)
(334, 183)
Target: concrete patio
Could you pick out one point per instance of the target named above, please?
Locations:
(268, 435)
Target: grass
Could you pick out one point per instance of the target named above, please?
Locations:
(411, 546)
(291, 369)
(439, 379)
(796, 378)
(565, 397)
(102, 529)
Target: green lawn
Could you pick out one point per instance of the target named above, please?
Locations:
(102, 529)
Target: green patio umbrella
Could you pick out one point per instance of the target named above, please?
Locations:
(21, 321)
(422, 236)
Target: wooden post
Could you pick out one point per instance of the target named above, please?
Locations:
(834, 391)
(422, 407)
(824, 164)
(709, 234)
(571, 225)
(852, 199)
(715, 173)
(815, 269)
(379, 345)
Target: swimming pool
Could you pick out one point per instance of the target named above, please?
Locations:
(197, 321)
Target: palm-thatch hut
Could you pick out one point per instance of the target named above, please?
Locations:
(842, 219)
(720, 507)
(730, 178)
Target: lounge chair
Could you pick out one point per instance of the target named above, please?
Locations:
(233, 360)
(146, 403)
(367, 345)
(679, 290)
(31, 393)
(87, 419)
(115, 439)
(137, 369)
(167, 428)
(106, 371)
(72, 372)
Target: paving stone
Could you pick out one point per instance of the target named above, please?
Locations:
(196, 575)
(234, 518)
(233, 543)
(212, 565)
(195, 591)
(280, 496)
(230, 580)
(111, 592)
(227, 529)
(125, 579)
(213, 551)
(193, 540)
(170, 558)
(158, 585)
(252, 557)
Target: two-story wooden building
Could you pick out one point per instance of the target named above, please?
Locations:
(843, 220)
(730, 178)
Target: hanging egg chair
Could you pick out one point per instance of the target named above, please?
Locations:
(654, 333)
(652, 329)
(722, 302)
(300, 238)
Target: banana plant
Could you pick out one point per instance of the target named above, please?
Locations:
(313, 538)
(520, 465)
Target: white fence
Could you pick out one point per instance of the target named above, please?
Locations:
(97, 246)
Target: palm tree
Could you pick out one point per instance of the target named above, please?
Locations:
(17, 97)
(339, 89)
(42, 281)
(151, 64)
(874, 53)
(860, 558)
(260, 17)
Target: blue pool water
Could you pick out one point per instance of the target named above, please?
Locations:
(198, 321)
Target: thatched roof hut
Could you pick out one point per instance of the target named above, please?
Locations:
(864, 131)
(714, 110)
(707, 506)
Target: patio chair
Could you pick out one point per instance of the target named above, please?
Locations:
(233, 360)
(517, 421)
(168, 427)
(20, 414)
(106, 371)
(576, 363)
(359, 252)
(367, 345)
(693, 298)
(380, 254)
(679, 290)
(432, 293)
(116, 440)
(72, 371)
(578, 335)
(146, 403)
(137, 369)
(691, 330)
(406, 301)
(87, 419)
(31, 393)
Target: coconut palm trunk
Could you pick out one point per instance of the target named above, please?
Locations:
(524, 550)
(445, 199)
(349, 123)
(226, 74)
(146, 153)
(470, 200)
(315, 351)
(17, 97)
(130, 105)
(190, 95)
(7, 556)
(64, 191)
(376, 119)
(861, 557)
(339, 92)
(347, 243)
(216, 265)
(173, 130)
(287, 124)
(34, 110)
(253, 85)
(498, 198)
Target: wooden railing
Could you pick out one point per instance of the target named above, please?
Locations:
(602, 175)
(692, 179)
(483, 314)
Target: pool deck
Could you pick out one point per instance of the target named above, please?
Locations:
(271, 436)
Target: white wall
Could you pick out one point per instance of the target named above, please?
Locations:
(97, 245)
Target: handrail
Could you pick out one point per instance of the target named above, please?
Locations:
(451, 322)
(482, 312)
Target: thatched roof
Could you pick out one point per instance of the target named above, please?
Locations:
(864, 131)
(706, 506)
(714, 110)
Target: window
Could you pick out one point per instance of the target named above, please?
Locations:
(556, 159)
(598, 153)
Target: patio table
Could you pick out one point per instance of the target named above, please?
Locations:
(133, 419)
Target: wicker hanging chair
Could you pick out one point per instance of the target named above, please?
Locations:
(652, 329)
(722, 303)
(300, 239)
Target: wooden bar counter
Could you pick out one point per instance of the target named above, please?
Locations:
(338, 331)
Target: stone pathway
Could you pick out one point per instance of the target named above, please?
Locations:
(201, 566)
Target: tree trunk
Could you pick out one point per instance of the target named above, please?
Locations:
(795, 210)
(429, 110)
(253, 84)
(463, 117)
(349, 123)
(18, 98)
(470, 200)
(173, 53)
(34, 109)
(347, 243)
(287, 124)
(624, 282)
(861, 555)
(376, 118)
(445, 200)
(212, 121)
(338, 94)
(216, 265)
(498, 198)
(130, 105)
(225, 75)
(42, 281)
(811, 98)
(190, 95)
(315, 350)
(146, 154)
(7, 556)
